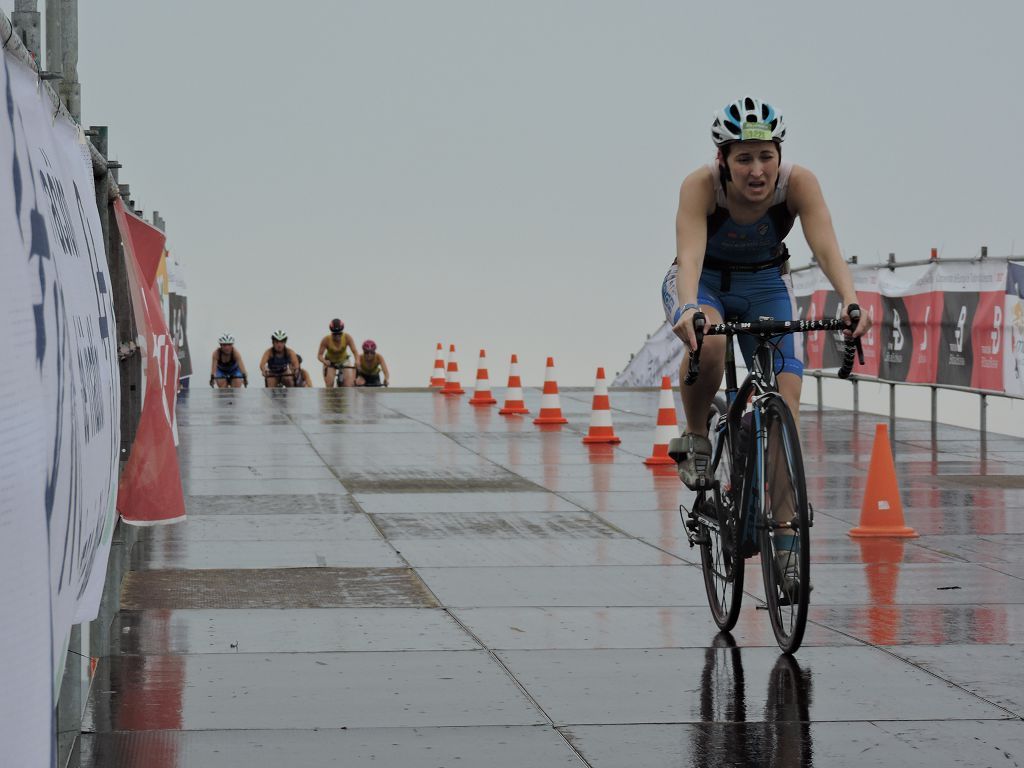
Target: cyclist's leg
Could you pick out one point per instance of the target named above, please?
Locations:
(330, 374)
(270, 381)
(348, 376)
(697, 397)
(360, 381)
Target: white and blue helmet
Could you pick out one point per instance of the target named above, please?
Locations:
(747, 119)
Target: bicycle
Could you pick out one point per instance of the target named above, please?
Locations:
(755, 501)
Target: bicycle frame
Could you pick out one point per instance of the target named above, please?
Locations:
(761, 381)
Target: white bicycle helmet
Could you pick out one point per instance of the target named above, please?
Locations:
(747, 119)
(279, 335)
(227, 338)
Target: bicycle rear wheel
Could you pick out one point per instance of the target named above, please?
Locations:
(718, 533)
(784, 531)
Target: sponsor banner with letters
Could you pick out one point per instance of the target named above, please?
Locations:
(150, 492)
(177, 319)
(955, 324)
(1013, 311)
(59, 406)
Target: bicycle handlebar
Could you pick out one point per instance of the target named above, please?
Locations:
(768, 328)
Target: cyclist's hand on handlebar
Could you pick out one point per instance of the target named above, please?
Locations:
(856, 330)
(684, 329)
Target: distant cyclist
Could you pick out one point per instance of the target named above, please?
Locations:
(280, 363)
(302, 378)
(226, 366)
(371, 366)
(730, 258)
(338, 353)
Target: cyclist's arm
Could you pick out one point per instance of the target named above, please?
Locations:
(384, 367)
(263, 362)
(293, 359)
(321, 354)
(352, 345)
(213, 362)
(696, 195)
(241, 365)
(807, 202)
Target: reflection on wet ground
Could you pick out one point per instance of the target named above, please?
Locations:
(400, 579)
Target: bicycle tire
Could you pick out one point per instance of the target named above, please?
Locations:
(720, 558)
(784, 486)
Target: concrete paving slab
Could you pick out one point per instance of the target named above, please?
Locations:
(198, 555)
(339, 526)
(497, 502)
(990, 548)
(265, 487)
(279, 504)
(675, 685)
(662, 585)
(484, 746)
(406, 479)
(201, 470)
(307, 691)
(923, 624)
(963, 744)
(484, 552)
(623, 627)
(904, 584)
(275, 588)
(994, 672)
(291, 630)
(499, 525)
(668, 498)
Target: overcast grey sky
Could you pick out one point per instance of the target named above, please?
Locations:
(505, 175)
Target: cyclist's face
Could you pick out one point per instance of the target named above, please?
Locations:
(278, 344)
(754, 166)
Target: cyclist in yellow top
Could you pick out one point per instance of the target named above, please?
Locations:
(334, 355)
(370, 367)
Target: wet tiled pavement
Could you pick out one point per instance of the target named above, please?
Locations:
(400, 579)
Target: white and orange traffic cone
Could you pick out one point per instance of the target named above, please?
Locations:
(514, 405)
(437, 379)
(482, 392)
(550, 405)
(601, 429)
(667, 427)
(451, 382)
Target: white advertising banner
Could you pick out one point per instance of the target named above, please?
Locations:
(51, 231)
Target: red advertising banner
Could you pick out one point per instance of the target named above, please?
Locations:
(952, 323)
(150, 490)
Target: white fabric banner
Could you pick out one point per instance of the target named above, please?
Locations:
(51, 231)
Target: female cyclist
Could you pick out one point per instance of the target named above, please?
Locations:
(370, 366)
(226, 366)
(730, 258)
(279, 363)
(334, 355)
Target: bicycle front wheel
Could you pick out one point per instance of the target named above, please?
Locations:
(718, 532)
(784, 526)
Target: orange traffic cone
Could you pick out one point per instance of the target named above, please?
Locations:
(881, 514)
(550, 405)
(601, 429)
(667, 427)
(514, 405)
(437, 380)
(451, 382)
(482, 393)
